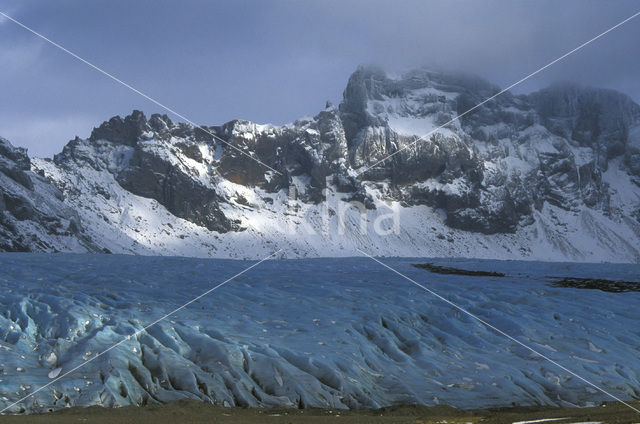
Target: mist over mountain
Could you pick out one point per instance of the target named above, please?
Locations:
(553, 175)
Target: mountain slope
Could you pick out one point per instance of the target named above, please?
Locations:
(553, 175)
(33, 215)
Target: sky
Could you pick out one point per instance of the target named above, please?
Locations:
(275, 60)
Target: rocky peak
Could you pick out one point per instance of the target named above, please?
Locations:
(124, 131)
(159, 123)
(18, 155)
(364, 83)
(15, 164)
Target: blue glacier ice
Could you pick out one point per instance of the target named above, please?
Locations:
(339, 333)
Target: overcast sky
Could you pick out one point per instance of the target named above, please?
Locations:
(276, 61)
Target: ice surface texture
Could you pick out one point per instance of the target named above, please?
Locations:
(340, 333)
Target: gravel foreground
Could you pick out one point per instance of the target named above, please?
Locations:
(191, 411)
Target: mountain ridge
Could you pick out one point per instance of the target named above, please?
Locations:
(553, 175)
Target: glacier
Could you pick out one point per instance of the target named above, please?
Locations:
(337, 333)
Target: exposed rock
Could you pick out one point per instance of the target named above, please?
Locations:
(33, 216)
(124, 131)
(495, 171)
(594, 117)
(596, 284)
(150, 175)
(438, 269)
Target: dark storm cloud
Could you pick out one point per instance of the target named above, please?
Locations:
(275, 61)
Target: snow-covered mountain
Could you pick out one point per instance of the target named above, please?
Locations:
(552, 175)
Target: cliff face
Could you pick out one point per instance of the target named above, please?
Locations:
(554, 174)
(507, 158)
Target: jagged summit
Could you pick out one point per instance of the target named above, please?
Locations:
(553, 174)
